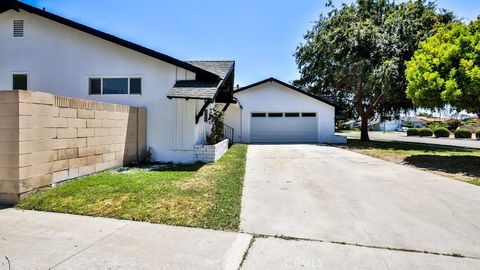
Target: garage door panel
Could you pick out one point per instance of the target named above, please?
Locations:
(283, 129)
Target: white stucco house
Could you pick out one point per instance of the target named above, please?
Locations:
(272, 111)
(41, 51)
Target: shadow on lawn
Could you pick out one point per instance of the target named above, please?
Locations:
(406, 146)
(162, 167)
(466, 165)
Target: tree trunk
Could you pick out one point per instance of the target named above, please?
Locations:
(364, 129)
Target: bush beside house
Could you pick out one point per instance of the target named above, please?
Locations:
(463, 134)
(413, 132)
(477, 135)
(425, 132)
(442, 132)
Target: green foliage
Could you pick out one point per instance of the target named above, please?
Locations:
(413, 132)
(450, 125)
(216, 119)
(470, 123)
(356, 54)
(446, 69)
(477, 135)
(441, 132)
(425, 132)
(463, 134)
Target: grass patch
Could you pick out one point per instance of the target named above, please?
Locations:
(195, 195)
(454, 162)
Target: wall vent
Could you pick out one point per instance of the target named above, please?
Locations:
(18, 28)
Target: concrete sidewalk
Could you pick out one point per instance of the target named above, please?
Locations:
(38, 240)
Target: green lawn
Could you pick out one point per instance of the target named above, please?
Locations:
(458, 163)
(206, 196)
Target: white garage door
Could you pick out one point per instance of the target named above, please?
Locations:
(283, 127)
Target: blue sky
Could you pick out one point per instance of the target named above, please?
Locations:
(260, 35)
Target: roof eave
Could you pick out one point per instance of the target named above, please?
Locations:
(272, 79)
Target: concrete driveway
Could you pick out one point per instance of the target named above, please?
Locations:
(343, 204)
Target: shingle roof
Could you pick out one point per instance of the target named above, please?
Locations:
(202, 90)
(193, 90)
(220, 68)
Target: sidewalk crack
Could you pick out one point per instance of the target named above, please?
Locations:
(245, 255)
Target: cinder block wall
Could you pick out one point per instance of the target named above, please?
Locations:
(46, 139)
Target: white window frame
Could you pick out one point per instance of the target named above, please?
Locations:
(129, 77)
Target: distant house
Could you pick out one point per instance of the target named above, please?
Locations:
(413, 122)
(388, 125)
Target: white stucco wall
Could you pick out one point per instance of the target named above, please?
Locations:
(274, 97)
(59, 59)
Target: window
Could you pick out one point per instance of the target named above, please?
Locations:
(309, 115)
(292, 114)
(18, 28)
(275, 115)
(135, 86)
(115, 86)
(259, 114)
(95, 86)
(20, 82)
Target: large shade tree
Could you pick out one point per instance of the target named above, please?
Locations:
(446, 69)
(356, 54)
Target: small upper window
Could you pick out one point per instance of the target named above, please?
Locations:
(259, 114)
(275, 115)
(309, 115)
(292, 114)
(18, 28)
(95, 86)
(20, 82)
(135, 86)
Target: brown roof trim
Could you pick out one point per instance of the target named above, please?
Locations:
(288, 86)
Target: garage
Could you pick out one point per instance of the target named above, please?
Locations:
(283, 127)
(272, 111)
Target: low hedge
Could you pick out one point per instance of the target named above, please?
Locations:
(425, 132)
(441, 133)
(463, 134)
(477, 135)
(412, 132)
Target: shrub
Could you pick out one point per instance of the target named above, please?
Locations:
(216, 119)
(412, 132)
(463, 134)
(425, 132)
(441, 132)
(477, 135)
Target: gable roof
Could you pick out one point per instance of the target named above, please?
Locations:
(202, 74)
(195, 89)
(294, 88)
(220, 68)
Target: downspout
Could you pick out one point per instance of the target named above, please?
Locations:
(241, 119)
